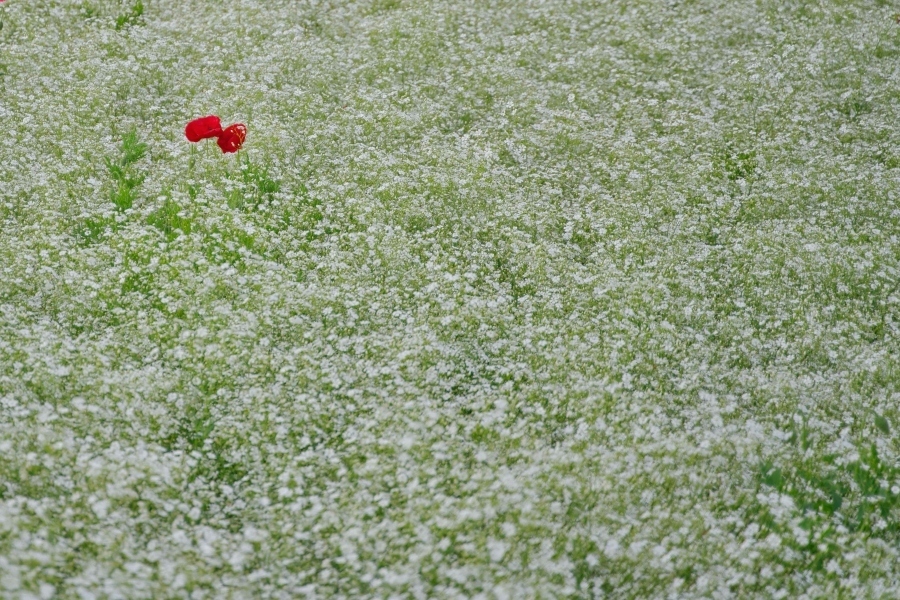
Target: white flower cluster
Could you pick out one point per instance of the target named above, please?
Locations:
(501, 299)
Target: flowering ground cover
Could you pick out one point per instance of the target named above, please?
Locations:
(499, 299)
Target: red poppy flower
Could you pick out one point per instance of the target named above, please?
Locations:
(232, 137)
(203, 128)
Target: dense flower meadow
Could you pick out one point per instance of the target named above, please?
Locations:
(496, 299)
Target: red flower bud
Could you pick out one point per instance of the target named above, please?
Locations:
(232, 137)
(203, 128)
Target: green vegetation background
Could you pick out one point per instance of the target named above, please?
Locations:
(566, 299)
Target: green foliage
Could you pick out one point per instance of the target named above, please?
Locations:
(125, 181)
(132, 17)
(379, 6)
(92, 230)
(89, 10)
(735, 164)
(124, 184)
(854, 107)
(132, 149)
(771, 475)
(255, 186)
(829, 495)
(169, 220)
(523, 250)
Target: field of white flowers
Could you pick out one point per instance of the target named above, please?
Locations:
(501, 299)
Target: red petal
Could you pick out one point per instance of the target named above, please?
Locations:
(232, 137)
(203, 128)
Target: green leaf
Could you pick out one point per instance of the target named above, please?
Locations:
(771, 475)
(132, 149)
(882, 424)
